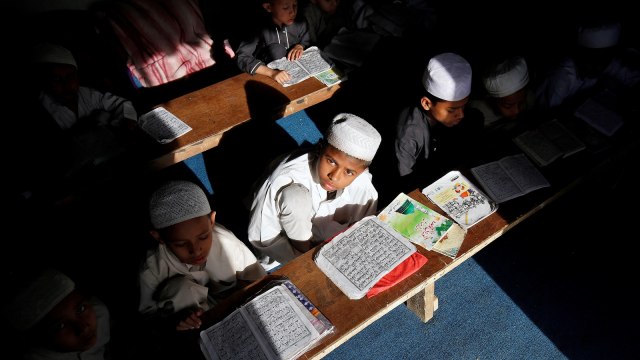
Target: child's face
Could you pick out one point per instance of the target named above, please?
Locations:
(512, 105)
(62, 83)
(190, 240)
(283, 12)
(448, 113)
(71, 325)
(327, 6)
(337, 170)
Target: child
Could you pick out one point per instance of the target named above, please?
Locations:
(281, 36)
(311, 197)
(424, 131)
(195, 260)
(74, 127)
(57, 320)
(324, 19)
(509, 94)
(597, 63)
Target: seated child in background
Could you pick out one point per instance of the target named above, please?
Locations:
(324, 19)
(74, 127)
(281, 35)
(309, 198)
(508, 91)
(431, 136)
(195, 261)
(598, 62)
(55, 320)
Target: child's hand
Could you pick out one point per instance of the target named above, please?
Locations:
(281, 76)
(192, 321)
(295, 53)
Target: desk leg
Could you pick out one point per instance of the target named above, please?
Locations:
(424, 303)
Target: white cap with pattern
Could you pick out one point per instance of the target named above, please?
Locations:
(599, 37)
(448, 77)
(354, 136)
(51, 53)
(33, 300)
(508, 77)
(175, 202)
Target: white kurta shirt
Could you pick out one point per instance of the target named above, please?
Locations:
(229, 259)
(351, 204)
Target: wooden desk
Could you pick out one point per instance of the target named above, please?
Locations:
(215, 109)
(418, 291)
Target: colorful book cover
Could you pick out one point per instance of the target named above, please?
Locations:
(418, 223)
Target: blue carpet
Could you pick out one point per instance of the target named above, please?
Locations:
(475, 320)
(300, 127)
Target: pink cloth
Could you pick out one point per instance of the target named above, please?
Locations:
(164, 39)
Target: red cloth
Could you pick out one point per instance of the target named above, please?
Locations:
(399, 273)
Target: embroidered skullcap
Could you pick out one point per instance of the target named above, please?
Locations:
(598, 37)
(354, 136)
(507, 78)
(448, 77)
(51, 53)
(33, 300)
(175, 202)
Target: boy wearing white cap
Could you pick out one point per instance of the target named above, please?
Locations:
(56, 320)
(447, 82)
(195, 260)
(311, 197)
(598, 62)
(508, 92)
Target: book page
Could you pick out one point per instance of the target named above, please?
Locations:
(284, 328)
(450, 244)
(538, 147)
(361, 255)
(230, 339)
(163, 125)
(524, 173)
(598, 111)
(561, 137)
(309, 64)
(416, 222)
(496, 182)
(460, 199)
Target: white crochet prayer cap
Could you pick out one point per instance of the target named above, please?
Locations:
(354, 136)
(599, 37)
(448, 77)
(175, 202)
(51, 53)
(507, 78)
(32, 301)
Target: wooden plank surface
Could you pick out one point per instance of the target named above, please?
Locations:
(215, 109)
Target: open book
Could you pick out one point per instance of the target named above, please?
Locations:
(460, 199)
(600, 112)
(311, 63)
(510, 177)
(162, 125)
(280, 323)
(421, 225)
(361, 255)
(549, 142)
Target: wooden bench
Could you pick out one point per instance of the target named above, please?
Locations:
(215, 109)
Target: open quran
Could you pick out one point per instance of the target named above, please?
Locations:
(280, 323)
(363, 254)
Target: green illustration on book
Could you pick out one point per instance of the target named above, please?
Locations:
(416, 222)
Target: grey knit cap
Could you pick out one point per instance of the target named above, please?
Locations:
(354, 136)
(175, 202)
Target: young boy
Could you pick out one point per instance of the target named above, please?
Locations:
(324, 19)
(508, 91)
(311, 197)
(56, 320)
(195, 260)
(280, 36)
(426, 131)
